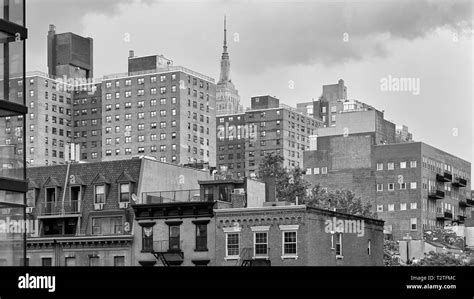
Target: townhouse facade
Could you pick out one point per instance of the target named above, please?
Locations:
(84, 210)
(295, 235)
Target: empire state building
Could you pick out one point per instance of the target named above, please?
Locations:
(227, 96)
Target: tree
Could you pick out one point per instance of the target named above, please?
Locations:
(339, 199)
(444, 236)
(391, 254)
(440, 259)
(289, 183)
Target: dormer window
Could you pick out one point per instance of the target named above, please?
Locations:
(99, 196)
(124, 192)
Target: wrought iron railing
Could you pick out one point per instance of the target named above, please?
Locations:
(60, 208)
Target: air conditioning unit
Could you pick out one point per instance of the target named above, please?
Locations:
(239, 191)
(29, 210)
(98, 206)
(123, 205)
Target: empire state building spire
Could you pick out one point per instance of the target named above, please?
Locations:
(225, 61)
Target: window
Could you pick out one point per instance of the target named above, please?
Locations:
(403, 186)
(174, 237)
(413, 185)
(70, 261)
(93, 261)
(379, 208)
(413, 205)
(46, 261)
(261, 244)
(124, 192)
(379, 187)
(119, 261)
(99, 194)
(391, 207)
(232, 241)
(403, 165)
(201, 236)
(413, 223)
(289, 243)
(391, 187)
(107, 225)
(369, 247)
(308, 171)
(338, 237)
(391, 166)
(413, 164)
(379, 166)
(324, 170)
(403, 206)
(147, 239)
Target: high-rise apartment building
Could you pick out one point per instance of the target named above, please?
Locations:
(87, 121)
(48, 122)
(267, 127)
(227, 96)
(159, 110)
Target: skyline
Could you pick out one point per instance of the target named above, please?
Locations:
(365, 40)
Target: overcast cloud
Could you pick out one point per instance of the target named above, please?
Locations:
(310, 43)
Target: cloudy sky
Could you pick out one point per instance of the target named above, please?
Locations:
(276, 45)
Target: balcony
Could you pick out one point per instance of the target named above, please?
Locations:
(459, 182)
(70, 207)
(465, 202)
(445, 177)
(444, 215)
(173, 196)
(435, 194)
(461, 218)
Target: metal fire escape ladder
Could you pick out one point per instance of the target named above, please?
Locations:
(159, 256)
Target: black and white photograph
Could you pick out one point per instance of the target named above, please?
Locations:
(302, 136)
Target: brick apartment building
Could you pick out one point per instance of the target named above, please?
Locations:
(267, 127)
(394, 179)
(87, 121)
(420, 187)
(158, 110)
(84, 209)
(48, 123)
(294, 235)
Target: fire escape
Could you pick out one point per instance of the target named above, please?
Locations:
(166, 254)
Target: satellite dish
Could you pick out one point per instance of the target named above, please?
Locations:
(134, 197)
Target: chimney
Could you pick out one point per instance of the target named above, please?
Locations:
(131, 54)
(52, 28)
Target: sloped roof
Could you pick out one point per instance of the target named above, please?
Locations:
(125, 177)
(100, 179)
(51, 182)
(77, 181)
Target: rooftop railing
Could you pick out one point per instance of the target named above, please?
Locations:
(172, 196)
